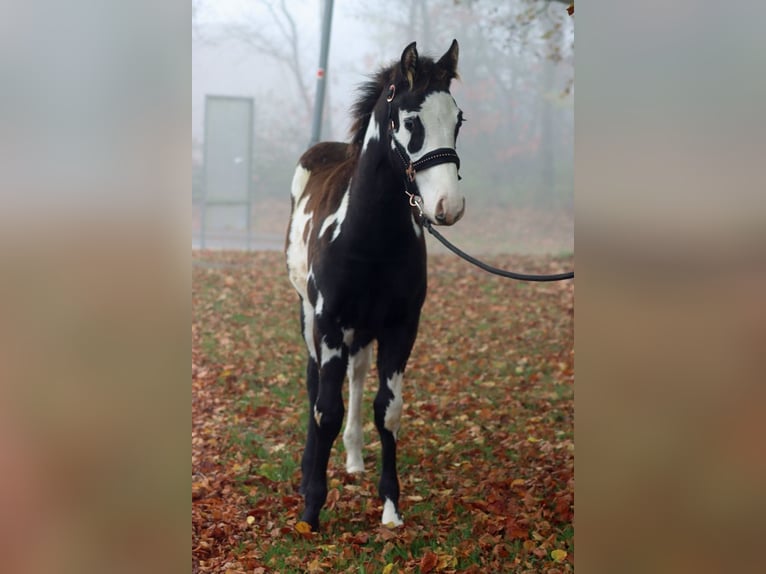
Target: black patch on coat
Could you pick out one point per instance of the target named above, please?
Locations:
(418, 133)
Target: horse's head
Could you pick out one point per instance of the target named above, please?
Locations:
(424, 121)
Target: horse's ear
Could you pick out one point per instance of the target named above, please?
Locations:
(410, 63)
(449, 60)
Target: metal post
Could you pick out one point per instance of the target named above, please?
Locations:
(322, 72)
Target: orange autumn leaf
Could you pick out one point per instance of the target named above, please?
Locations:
(428, 562)
(303, 527)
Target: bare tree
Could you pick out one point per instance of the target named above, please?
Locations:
(279, 41)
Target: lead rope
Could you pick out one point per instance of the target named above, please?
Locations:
(488, 268)
(436, 157)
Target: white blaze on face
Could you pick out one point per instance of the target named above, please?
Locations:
(439, 115)
(393, 414)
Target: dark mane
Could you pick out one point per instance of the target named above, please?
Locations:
(429, 77)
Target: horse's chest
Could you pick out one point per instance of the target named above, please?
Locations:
(372, 297)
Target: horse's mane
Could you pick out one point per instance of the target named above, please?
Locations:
(429, 76)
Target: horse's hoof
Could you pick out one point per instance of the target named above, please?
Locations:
(391, 517)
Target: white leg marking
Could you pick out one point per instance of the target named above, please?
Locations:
(358, 366)
(336, 218)
(390, 516)
(317, 416)
(308, 331)
(329, 354)
(394, 409)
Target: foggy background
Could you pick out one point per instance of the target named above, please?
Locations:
(515, 88)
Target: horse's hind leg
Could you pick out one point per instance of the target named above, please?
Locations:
(312, 386)
(358, 366)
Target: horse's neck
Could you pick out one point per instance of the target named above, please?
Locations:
(380, 205)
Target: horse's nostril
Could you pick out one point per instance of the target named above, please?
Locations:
(440, 215)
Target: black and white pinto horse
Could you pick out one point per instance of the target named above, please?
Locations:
(356, 255)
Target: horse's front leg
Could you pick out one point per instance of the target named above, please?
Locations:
(325, 421)
(358, 365)
(393, 351)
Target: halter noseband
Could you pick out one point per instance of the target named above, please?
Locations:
(432, 158)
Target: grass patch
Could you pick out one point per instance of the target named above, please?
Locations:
(485, 458)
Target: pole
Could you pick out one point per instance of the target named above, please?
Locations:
(322, 72)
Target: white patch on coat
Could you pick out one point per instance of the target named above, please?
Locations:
(394, 409)
(348, 337)
(300, 178)
(372, 133)
(320, 303)
(297, 250)
(438, 114)
(308, 328)
(390, 516)
(416, 227)
(329, 354)
(317, 416)
(336, 218)
(358, 367)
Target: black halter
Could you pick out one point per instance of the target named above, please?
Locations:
(435, 157)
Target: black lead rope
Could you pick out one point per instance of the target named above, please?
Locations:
(436, 157)
(494, 270)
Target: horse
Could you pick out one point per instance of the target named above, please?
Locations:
(356, 255)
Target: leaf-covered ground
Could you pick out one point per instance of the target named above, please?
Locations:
(486, 453)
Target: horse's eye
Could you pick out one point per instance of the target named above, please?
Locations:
(409, 124)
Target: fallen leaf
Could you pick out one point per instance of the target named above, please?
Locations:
(303, 527)
(558, 555)
(428, 562)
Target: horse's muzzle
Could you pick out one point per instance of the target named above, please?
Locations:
(443, 217)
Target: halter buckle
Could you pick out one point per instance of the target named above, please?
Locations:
(410, 171)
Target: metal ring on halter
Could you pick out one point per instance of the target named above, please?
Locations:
(391, 93)
(415, 201)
